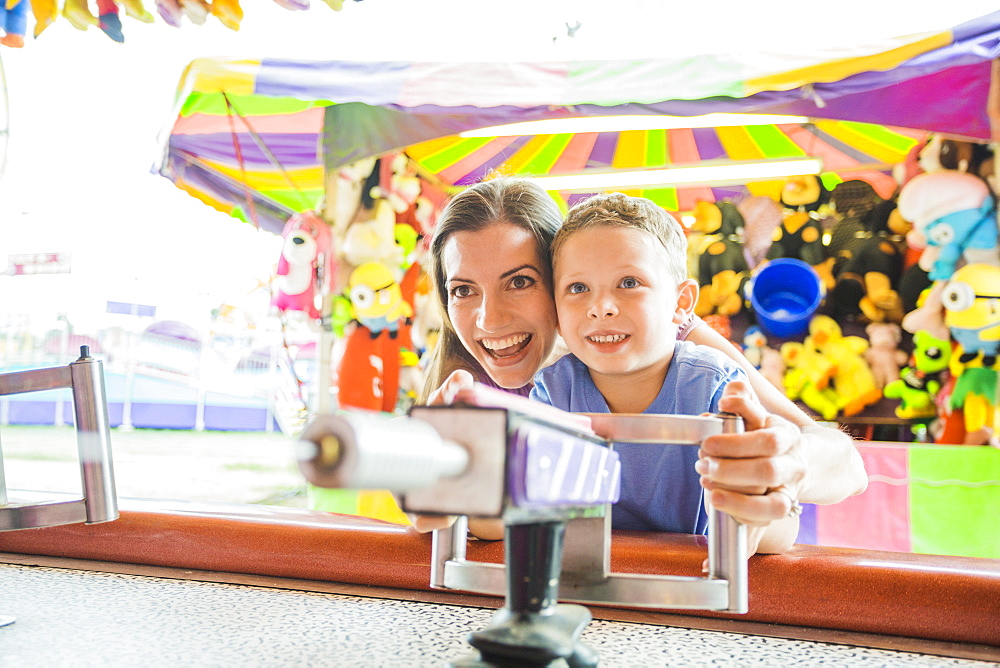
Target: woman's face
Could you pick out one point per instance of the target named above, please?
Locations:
(500, 301)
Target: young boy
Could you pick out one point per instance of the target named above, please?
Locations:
(621, 291)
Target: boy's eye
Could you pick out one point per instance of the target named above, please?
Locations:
(630, 282)
(521, 282)
(576, 288)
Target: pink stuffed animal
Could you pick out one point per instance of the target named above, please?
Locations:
(883, 354)
(307, 265)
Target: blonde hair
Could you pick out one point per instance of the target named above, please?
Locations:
(620, 210)
(502, 199)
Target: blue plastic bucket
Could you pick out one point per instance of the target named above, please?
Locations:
(784, 295)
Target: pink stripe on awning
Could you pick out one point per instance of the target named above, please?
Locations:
(308, 121)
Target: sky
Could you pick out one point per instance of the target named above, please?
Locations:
(85, 114)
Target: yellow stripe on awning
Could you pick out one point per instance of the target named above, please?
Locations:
(630, 151)
(738, 143)
(211, 75)
(835, 70)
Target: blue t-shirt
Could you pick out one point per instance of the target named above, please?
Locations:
(659, 486)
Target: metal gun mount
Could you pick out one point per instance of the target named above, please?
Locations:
(99, 503)
(552, 482)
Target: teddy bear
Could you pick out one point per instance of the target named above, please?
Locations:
(884, 355)
(722, 269)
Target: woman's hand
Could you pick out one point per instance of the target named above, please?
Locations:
(755, 476)
(459, 379)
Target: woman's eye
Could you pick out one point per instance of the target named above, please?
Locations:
(576, 288)
(460, 291)
(520, 282)
(630, 282)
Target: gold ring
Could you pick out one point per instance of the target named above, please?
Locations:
(796, 508)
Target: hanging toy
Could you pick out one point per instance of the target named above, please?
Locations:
(953, 213)
(307, 267)
(14, 22)
(377, 299)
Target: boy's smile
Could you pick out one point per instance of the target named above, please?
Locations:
(618, 308)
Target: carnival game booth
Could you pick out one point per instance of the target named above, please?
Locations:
(270, 140)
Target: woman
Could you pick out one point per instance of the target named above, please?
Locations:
(492, 277)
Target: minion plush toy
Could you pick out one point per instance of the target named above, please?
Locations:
(377, 299)
(972, 313)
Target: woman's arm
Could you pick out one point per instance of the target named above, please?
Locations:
(819, 464)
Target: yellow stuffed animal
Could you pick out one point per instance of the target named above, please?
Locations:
(807, 379)
(853, 380)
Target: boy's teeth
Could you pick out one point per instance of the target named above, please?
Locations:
(500, 344)
(614, 338)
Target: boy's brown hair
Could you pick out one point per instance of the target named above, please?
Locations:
(620, 210)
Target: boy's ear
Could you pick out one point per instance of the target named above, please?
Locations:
(687, 297)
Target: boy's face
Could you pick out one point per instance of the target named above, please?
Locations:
(617, 304)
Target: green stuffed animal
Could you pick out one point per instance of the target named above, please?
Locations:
(920, 381)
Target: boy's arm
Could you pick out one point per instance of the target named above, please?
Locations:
(821, 461)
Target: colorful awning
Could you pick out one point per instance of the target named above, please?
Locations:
(258, 133)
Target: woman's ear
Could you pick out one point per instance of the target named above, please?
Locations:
(687, 297)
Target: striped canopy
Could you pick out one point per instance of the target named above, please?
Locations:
(254, 137)
(849, 150)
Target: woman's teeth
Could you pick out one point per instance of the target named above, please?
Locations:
(504, 346)
(614, 338)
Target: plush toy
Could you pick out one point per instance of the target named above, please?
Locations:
(972, 312)
(170, 11)
(45, 13)
(852, 201)
(374, 239)
(800, 234)
(975, 393)
(306, 268)
(761, 216)
(377, 299)
(722, 269)
(865, 284)
(807, 379)
(754, 342)
(853, 380)
(954, 215)
(14, 22)
(228, 12)
(920, 381)
(883, 354)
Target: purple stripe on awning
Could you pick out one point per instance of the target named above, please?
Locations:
(290, 150)
(707, 141)
(604, 150)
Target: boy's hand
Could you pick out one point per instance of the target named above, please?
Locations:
(753, 476)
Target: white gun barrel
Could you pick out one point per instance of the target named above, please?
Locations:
(372, 451)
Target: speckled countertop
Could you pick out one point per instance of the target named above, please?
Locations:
(67, 617)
